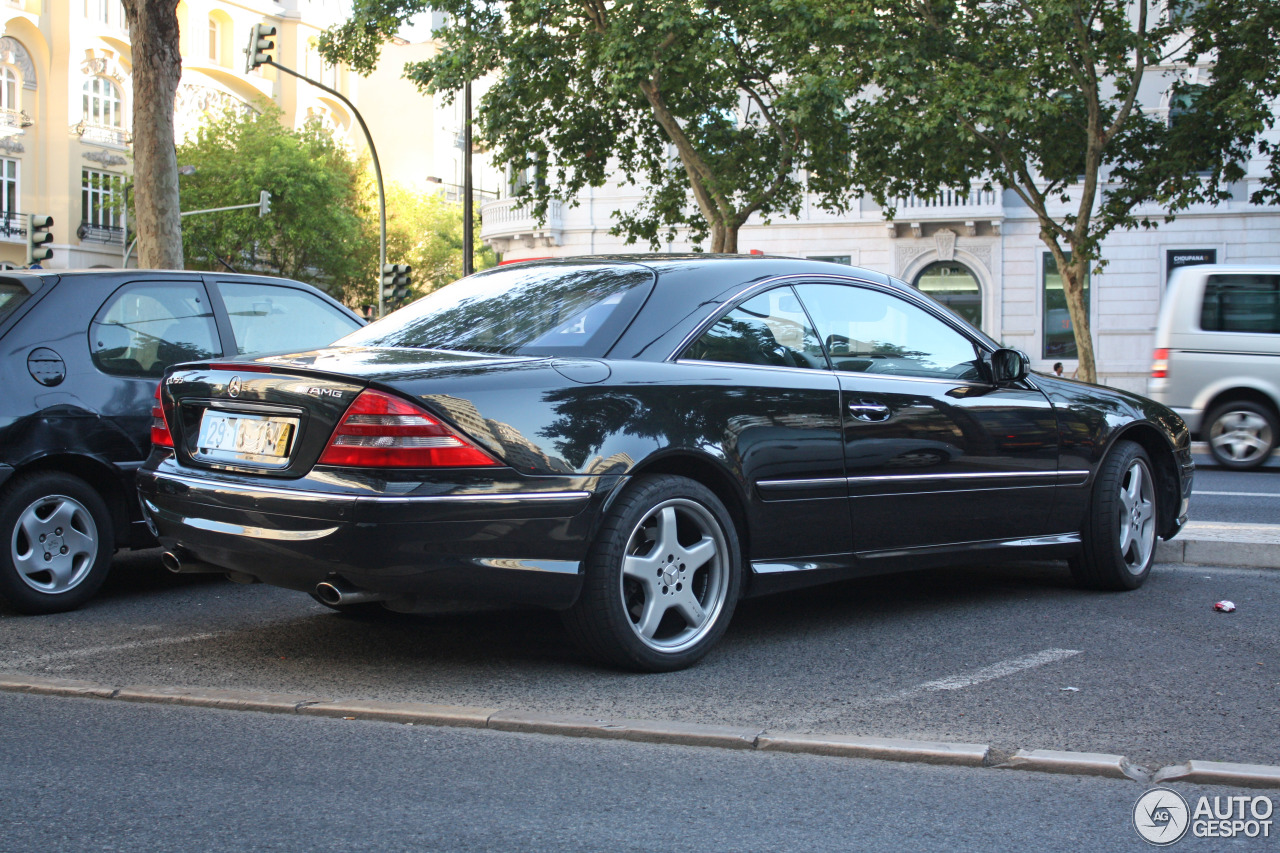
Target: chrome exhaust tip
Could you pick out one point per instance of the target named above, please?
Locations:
(180, 563)
(337, 593)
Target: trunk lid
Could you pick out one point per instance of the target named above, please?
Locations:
(273, 416)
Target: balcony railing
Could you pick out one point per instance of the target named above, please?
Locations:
(12, 225)
(16, 119)
(508, 223)
(949, 200)
(109, 234)
(101, 134)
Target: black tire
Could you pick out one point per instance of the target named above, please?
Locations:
(1241, 435)
(58, 542)
(1120, 529)
(645, 604)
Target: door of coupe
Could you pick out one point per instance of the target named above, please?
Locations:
(763, 383)
(935, 454)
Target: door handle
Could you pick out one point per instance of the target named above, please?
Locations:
(869, 410)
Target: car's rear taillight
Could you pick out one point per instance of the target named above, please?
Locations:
(160, 435)
(1160, 364)
(381, 431)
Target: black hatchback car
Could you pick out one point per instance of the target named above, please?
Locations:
(82, 356)
(639, 442)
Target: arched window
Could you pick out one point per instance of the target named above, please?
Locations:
(215, 40)
(954, 286)
(10, 88)
(102, 103)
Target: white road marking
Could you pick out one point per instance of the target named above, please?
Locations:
(1238, 494)
(987, 673)
(34, 660)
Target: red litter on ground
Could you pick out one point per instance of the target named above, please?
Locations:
(1225, 606)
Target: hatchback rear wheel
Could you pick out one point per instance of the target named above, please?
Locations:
(662, 578)
(58, 542)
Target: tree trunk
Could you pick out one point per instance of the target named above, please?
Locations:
(157, 67)
(1073, 278)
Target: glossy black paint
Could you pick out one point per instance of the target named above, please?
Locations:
(960, 467)
(59, 411)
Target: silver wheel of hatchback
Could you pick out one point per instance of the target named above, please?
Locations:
(59, 540)
(1241, 435)
(54, 544)
(675, 575)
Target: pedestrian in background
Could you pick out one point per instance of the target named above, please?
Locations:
(1057, 368)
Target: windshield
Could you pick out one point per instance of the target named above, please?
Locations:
(12, 295)
(570, 309)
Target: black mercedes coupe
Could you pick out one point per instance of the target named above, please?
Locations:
(639, 442)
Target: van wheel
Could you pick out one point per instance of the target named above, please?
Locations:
(1241, 435)
(58, 542)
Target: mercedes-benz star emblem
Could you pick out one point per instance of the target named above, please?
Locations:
(233, 387)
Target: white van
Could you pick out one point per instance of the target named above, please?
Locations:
(1217, 358)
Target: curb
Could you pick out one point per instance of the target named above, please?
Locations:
(1219, 552)
(660, 732)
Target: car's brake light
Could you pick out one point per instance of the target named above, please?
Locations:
(1160, 364)
(160, 435)
(381, 431)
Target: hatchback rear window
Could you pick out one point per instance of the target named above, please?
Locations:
(578, 309)
(12, 295)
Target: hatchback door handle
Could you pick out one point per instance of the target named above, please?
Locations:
(869, 410)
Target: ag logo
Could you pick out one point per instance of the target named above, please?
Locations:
(233, 387)
(1161, 816)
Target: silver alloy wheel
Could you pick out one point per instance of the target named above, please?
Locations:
(1137, 517)
(675, 575)
(1241, 436)
(54, 544)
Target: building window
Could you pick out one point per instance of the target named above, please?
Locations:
(847, 260)
(98, 10)
(215, 40)
(97, 202)
(102, 104)
(1059, 333)
(10, 88)
(10, 219)
(954, 286)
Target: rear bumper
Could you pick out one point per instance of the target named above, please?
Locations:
(510, 547)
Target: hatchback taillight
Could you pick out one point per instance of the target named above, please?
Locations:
(1160, 364)
(160, 435)
(381, 431)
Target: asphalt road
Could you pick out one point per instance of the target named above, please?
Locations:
(1241, 496)
(1015, 657)
(89, 775)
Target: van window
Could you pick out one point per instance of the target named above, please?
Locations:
(1241, 303)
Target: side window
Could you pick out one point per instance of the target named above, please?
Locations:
(768, 329)
(271, 318)
(1241, 303)
(869, 331)
(144, 328)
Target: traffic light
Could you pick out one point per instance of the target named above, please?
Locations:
(260, 41)
(37, 236)
(395, 281)
(264, 203)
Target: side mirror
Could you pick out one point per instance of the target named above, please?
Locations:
(1009, 365)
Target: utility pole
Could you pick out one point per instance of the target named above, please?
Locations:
(256, 55)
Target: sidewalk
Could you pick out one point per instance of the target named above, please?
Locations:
(1223, 543)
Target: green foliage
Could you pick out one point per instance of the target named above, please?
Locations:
(318, 229)
(425, 231)
(712, 108)
(1039, 97)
